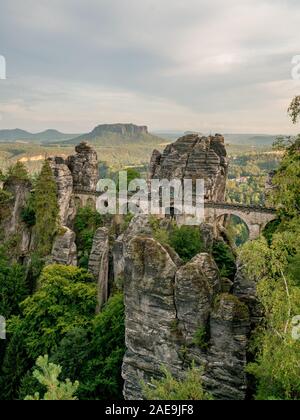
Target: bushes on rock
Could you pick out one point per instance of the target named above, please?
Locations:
(86, 223)
(170, 388)
(225, 259)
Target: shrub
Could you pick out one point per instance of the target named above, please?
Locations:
(46, 210)
(169, 388)
(47, 374)
(201, 338)
(86, 223)
(187, 241)
(224, 259)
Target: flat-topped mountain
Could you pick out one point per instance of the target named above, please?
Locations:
(124, 129)
(114, 134)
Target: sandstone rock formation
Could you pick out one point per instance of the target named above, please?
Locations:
(150, 314)
(78, 172)
(11, 222)
(244, 287)
(194, 157)
(196, 284)
(139, 225)
(166, 306)
(99, 264)
(84, 168)
(64, 181)
(64, 249)
(229, 327)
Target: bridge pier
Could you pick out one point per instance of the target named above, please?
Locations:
(255, 217)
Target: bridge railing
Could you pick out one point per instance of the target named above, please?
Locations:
(241, 207)
(207, 204)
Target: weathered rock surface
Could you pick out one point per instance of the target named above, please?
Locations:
(194, 157)
(208, 236)
(200, 276)
(99, 264)
(11, 222)
(166, 305)
(150, 314)
(64, 182)
(84, 168)
(139, 225)
(64, 249)
(229, 327)
(244, 287)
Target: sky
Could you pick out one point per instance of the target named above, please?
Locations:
(205, 65)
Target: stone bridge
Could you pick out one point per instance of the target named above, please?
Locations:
(255, 217)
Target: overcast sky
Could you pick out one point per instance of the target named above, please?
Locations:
(208, 65)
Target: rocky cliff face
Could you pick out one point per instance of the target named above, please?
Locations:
(11, 222)
(78, 172)
(99, 264)
(166, 306)
(64, 249)
(64, 182)
(123, 129)
(194, 157)
(84, 167)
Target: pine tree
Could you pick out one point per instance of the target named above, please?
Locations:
(18, 172)
(46, 210)
(47, 374)
(170, 388)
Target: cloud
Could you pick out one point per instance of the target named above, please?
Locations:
(169, 64)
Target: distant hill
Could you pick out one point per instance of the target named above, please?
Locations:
(47, 136)
(110, 135)
(250, 139)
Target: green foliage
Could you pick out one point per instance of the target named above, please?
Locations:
(187, 241)
(28, 212)
(271, 229)
(47, 374)
(240, 309)
(224, 259)
(160, 234)
(18, 172)
(65, 299)
(103, 369)
(5, 197)
(132, 174)
(169, 388)
(95, 356)
(86, 223)
(286, 195)
(16, 361)
(294, 109)
(57, 306)
(201, 338)
(276, 366)
(293, 268)
(59, 320)
(46, 210)
(237, 231)
(13, 286)
(126, 222)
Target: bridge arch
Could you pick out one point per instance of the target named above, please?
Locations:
(255, 218)
(237, 227)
